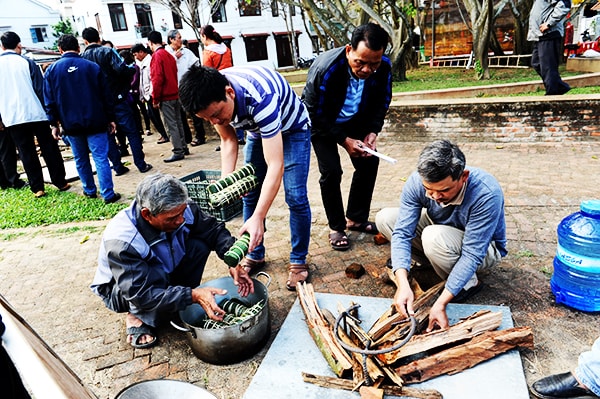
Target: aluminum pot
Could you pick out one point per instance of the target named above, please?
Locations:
(233, 343)
(164, 389)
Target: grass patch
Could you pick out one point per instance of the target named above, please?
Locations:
(21, 209)
(425, 78)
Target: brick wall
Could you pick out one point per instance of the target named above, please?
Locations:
(514, 119)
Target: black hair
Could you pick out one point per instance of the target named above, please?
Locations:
(68, 42)
(105, 42)
(140, 47)
(200, 86)
(155, 37)
(127, 56)
(10, 40)
(210, 32)
(374, 36)
(90, 35)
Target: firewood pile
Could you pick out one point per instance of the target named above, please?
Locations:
(387, 357)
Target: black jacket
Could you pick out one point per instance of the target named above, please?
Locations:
(325, 93)
(117, 73)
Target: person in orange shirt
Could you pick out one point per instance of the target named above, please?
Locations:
(216, 54)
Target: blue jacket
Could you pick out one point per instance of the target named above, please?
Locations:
(117, 73)
(77, 96)
(139, 259)
(325, 94)
(480, 216)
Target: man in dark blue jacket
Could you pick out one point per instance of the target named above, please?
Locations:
(77, 99)
(348, 92)
(118, 76)
(153, 255)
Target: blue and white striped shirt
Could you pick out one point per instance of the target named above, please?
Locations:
(265, 102)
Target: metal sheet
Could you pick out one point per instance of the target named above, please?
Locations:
(293, 351)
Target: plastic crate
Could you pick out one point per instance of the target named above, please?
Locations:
(197, 184)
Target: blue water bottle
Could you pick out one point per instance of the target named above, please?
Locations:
(576, 278)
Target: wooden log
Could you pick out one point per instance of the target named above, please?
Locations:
(464, 330)
(338, 359)
(382, 330)
(340, 383)
(370, 392)
(467, 355)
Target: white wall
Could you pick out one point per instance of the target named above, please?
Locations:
(21, 16)
(84, 12)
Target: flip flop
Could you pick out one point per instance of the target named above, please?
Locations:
(336, 240)
(137, 332)
(298, 274)
(365, 227)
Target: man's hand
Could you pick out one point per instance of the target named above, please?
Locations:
(1, 126)
(205, 297)
(354, 147)
(242, 279)
(112, 128)
(437, 315)
(404, 297)
(544, 27)
(370, 141)
(56, 132)
(255, 226)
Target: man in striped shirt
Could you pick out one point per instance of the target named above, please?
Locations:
(260, 101)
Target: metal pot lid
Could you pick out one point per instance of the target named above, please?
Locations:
(164, 389)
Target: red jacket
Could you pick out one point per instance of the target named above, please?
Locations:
(163, 74)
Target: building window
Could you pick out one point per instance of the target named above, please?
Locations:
(256, 47)
(218, 13)
(275, 8)
(38, 34)
(117, 17)
(145, 23)
(249, 8)
(177, 24)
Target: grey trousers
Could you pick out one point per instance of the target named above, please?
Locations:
(440, 244)
(171, 112)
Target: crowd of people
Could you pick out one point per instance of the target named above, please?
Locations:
(153, 253)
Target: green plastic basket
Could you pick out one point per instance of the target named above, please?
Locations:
(197, 184)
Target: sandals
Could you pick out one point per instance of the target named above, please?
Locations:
(364, 227)
(251, 265)
(196, 142)
(137, 332)
(298, 274)
(339, 240)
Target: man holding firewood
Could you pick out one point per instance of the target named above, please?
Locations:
(450, 216)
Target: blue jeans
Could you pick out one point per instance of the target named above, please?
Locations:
(296, 159)
(588, 370)
(97, 144)
(126, 123)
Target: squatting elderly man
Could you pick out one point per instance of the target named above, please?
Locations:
(153, 254)
(451, 216)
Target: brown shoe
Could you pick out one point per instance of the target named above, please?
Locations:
(252, 266)
(298, 274)
(40, 194)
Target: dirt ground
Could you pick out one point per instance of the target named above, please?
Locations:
(45, 272)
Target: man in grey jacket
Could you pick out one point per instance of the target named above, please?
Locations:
(152, 258)
(546, 31)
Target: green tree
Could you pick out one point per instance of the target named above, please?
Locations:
(63, 27)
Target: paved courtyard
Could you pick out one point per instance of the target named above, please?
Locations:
(46, 271)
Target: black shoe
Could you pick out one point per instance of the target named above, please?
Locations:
(218, 148)
(174, 158)
(560, 386)
(463, 294)
(93, 195)
(20, 184)
(146, 168)
(113, 199)
(186, 151)
(241, 142)
(121, 171)
(123, 151)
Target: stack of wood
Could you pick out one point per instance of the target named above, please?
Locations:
(469, 342)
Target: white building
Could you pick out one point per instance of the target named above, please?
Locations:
(30, 19)
(255, 33)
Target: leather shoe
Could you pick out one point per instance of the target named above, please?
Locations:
(174, 158)
(463, 294)
(112, 199)
(560, 386)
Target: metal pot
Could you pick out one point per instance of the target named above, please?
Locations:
(233, 343)
(164, 389)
